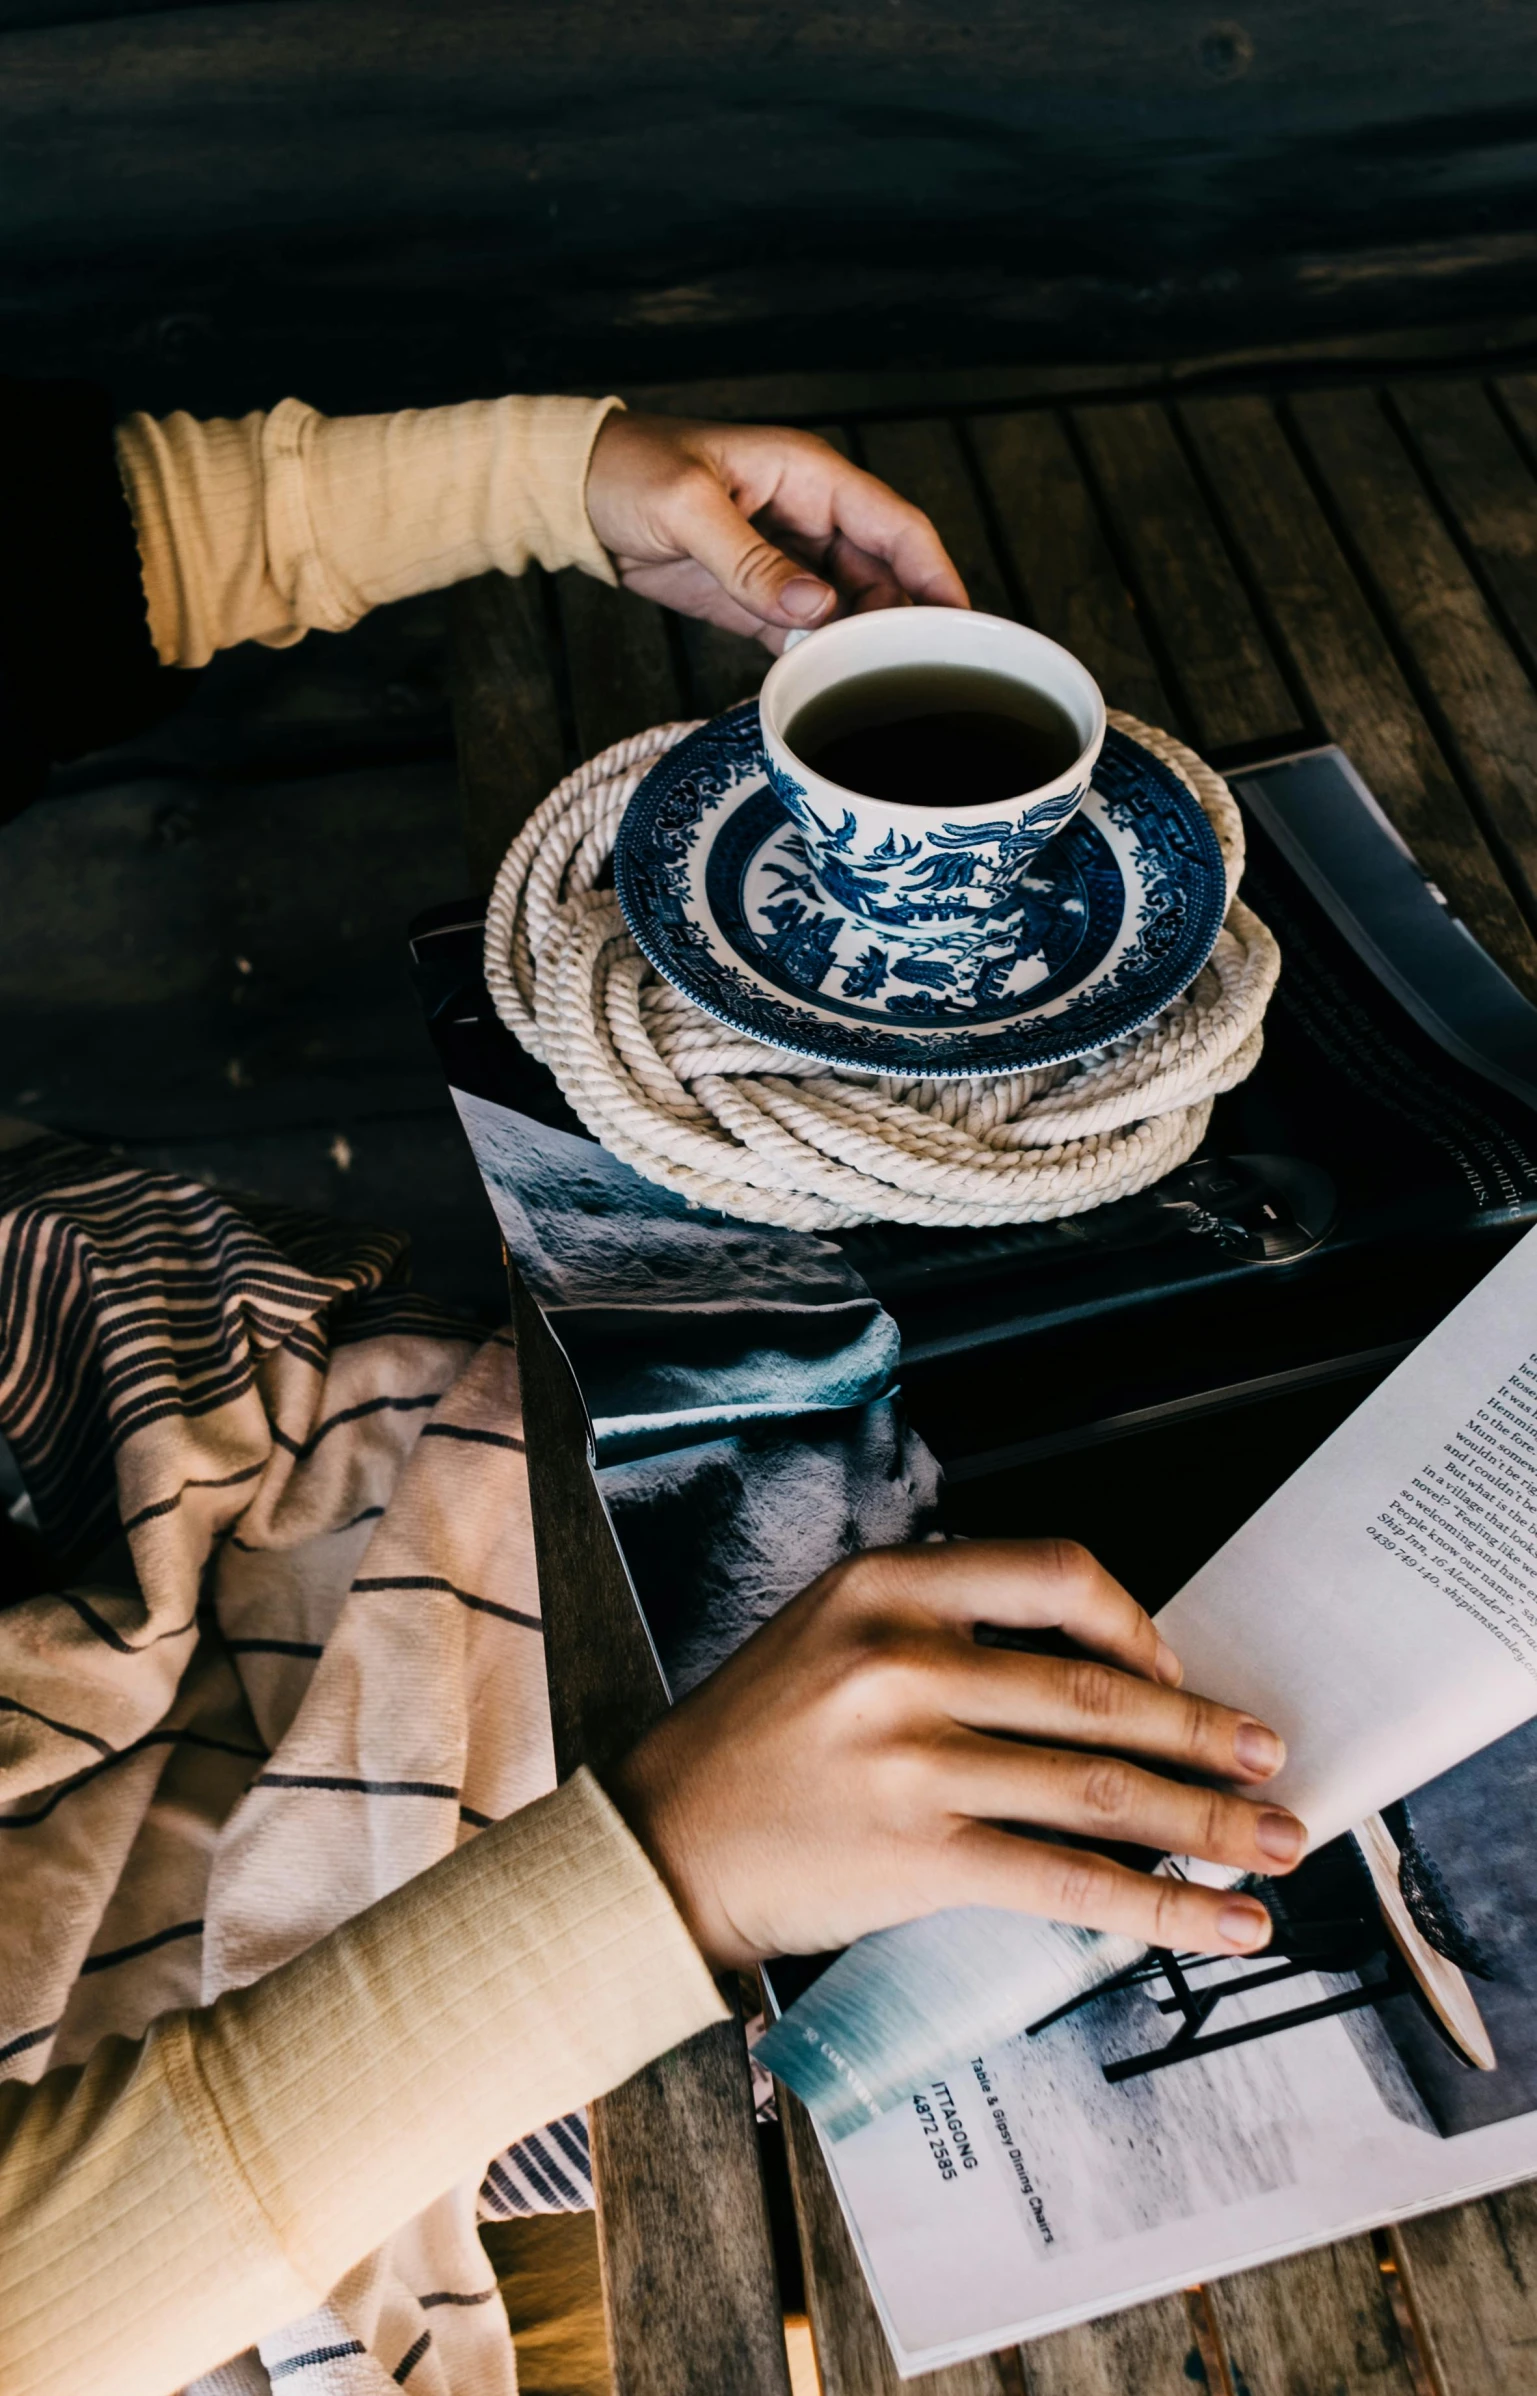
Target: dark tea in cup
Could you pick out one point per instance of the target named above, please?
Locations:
(935, 735)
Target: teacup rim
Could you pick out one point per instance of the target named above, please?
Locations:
(978, 810)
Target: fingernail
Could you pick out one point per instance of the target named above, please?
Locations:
(1167, 1665)
(1280, 1836)
(1258, 1749)
(803, 597)
(1243, 1926)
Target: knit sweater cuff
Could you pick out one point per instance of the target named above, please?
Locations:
(538, 1967)
(290, 522)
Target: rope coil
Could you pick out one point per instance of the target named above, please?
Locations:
(729, 1122)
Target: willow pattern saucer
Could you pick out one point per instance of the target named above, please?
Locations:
(1120, 913)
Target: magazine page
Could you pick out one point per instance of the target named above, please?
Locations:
(1067, 2174)
(1027, 2189)
(1380, 1610)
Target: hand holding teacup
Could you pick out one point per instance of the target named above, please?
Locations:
(757, 528)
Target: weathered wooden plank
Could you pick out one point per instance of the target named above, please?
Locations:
(1318, 2324)
(1467, 672)
(620, 662)
(1341, 657)
(683, 2225)
(1154, 2350)
(600, 188)
(506, 707)
(550, 2278)
(1069, 582)
(1517, 395)
(1464, 447)
(1471, 2280)
(688, 2268)
(852, 2354)
(923, 459)
(801, 394)
(722, 667)
(377, 698)
(1219, 660)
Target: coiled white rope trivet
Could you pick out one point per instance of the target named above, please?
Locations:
(735, 1124)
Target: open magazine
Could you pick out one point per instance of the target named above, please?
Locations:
(1029, 2125)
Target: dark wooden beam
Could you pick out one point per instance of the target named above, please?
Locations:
(421, 196)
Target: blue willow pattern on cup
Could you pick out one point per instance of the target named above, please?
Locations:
(950, 873)
(938, 1001)
(770, 910)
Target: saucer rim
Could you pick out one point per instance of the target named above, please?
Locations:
(917, 1067)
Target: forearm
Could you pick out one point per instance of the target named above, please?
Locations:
(165, 2205)
(276, 525)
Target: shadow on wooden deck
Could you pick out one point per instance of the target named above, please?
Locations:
(202, 944)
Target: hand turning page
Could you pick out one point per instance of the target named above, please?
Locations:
(1380, 1611)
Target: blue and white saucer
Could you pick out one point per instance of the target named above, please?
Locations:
(1121, 912)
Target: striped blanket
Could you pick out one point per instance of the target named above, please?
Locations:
(281, 1651)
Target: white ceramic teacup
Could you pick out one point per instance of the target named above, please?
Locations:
(958, 871)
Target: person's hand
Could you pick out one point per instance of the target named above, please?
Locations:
(758, 530)
(845, 1770)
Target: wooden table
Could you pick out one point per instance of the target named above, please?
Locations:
(1344, 561)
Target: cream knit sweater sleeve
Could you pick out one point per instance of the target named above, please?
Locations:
(166, 2203)
(281, 524)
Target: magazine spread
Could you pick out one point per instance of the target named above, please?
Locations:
(1023, 2191)
(1381, 1610)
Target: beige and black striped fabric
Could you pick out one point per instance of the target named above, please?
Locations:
(281, 1651)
